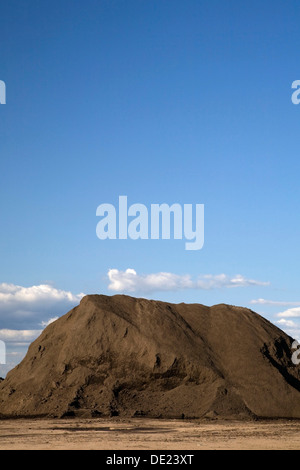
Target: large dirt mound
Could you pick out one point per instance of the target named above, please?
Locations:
(134, 357)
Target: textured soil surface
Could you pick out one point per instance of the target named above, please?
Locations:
(128, 357)
(145, 434)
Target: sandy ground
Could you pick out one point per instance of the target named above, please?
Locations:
(145, 434)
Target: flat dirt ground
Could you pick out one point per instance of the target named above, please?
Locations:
(145, 434)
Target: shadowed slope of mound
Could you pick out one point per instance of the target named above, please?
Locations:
(134, 357)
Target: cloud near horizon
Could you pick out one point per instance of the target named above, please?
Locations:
(274, 302)
(19, 336)
(290, 313)
(284, 323)
(27, 306)
(11, 294)
(130, 281)
(292, 328)
(289, 327)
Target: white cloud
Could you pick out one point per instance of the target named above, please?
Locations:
(130, 281)
(292, 328)
(26, 306)
(290, 313)
(48, 322)
(274, 302)
(19, 336)
(287, 323)
(18, 296)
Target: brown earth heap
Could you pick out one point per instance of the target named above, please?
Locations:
(124, 356)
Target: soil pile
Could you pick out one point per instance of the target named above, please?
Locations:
(122, 356)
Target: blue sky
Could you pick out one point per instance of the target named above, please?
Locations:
(165, 102)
